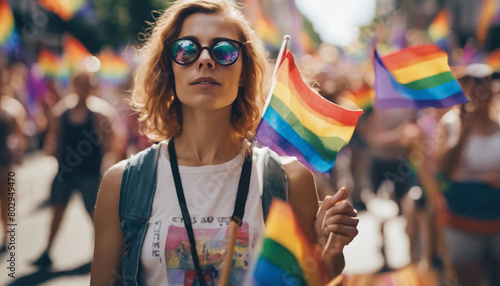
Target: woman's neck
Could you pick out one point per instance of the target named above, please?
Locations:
(207, 138)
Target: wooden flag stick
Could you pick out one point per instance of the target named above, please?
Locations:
(228, 259)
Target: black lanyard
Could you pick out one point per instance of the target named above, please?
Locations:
(239, 206)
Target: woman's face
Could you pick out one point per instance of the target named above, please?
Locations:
(205, 84)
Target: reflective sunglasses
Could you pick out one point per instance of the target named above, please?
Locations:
(185, 51)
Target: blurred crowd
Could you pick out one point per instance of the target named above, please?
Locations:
(436, 165)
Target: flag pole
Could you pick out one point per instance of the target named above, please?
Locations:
(284, 44)
(228, 259)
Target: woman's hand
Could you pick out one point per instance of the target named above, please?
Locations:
(336, 226)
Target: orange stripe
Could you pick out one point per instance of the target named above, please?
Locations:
(410, 55)
(469, 224)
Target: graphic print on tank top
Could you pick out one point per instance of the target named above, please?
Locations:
(211, 247)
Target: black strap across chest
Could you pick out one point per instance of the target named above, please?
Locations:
(239, 207)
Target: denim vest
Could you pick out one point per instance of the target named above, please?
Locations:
(136, 200)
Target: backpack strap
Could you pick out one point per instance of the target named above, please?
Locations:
(275, 181)
(140, 172)
(136, 200)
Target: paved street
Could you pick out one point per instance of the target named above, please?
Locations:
(72, 250)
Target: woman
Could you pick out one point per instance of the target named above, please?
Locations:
(469, 157)
(202, 75)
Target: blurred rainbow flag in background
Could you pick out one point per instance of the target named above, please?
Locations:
(74, 52)
(287, 256)
(8, 35)
(363, 97)
(114, 69)
(439, 29)
(299, 122)
(493, 60)
(65, 9)
(50, 63)
(265, 28)
(416, 77)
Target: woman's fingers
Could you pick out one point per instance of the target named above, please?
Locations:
(342, 219)
(329, 202)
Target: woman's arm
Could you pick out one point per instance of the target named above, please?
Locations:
(336, 216)
(108, 235)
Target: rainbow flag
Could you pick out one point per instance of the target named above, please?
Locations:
(265, 28)
(493, 59)
(50, 63)
(114, 69)
(439, 29)
(363, 97)
(299, 122)
(287, 256)
(65, 9)
(416, 77)
(73, 55)
(7, 25)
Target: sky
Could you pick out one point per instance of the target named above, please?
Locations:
(337, 21)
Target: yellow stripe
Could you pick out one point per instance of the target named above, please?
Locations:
(283, 228)
(311, 121)
(421, 70)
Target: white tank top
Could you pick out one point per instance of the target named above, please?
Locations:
(482, 155)
(210, 193)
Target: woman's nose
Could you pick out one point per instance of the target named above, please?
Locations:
(205, 60)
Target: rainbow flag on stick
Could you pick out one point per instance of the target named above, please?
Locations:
(287, 256)
(416, 77)
(299, 122)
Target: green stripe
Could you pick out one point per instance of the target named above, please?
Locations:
(327, 147)
(278, 255)
(430, 82)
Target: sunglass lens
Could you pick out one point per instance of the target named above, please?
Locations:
(184, 51)
(225, 53)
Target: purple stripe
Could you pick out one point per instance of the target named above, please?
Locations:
(455, 99)
(267, 136)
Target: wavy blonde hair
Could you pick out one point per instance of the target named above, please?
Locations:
(153, 94)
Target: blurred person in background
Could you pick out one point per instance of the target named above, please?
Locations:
(11, 147)
(469, 159)
(82, 140)
(206, 102)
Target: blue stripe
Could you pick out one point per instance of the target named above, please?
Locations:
(267, 273)
(436, 93)
(284, 129)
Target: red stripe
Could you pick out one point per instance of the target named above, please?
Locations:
(410, 56)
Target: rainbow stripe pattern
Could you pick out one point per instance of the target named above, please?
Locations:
(287, 256)
(265, 28)
(114, 69)
(65, 9)
(363, 97)
(74, 54)
(439, 29)
(7, 25)
(50, 63)
(299, 122)
(416, 77)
